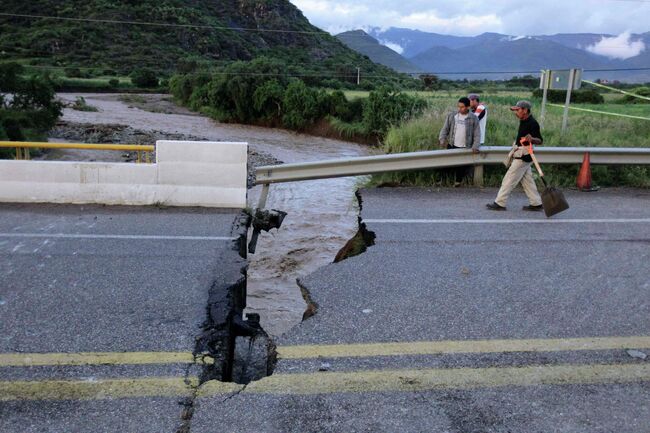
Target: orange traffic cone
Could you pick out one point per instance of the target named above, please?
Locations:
(584, 175)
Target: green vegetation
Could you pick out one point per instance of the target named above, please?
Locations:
(582, 96)
(28, 108)
(257, 92)
(145, 78)
(80, 104)
(585, 129)
(181, 36)
(641, 91)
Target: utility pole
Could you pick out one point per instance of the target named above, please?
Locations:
(565, 117)
(545, 83)
(358, 76)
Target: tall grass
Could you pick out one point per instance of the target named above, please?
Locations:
(585, 130)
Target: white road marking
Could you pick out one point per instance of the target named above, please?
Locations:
(125, 237)
(511, 221)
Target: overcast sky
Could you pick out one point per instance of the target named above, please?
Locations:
(471, 17)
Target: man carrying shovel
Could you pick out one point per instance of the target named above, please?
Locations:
(519, 161)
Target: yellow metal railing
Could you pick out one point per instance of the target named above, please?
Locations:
(22, 148)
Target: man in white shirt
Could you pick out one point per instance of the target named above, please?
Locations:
(480, 111)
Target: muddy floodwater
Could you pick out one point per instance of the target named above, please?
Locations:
(321, 215)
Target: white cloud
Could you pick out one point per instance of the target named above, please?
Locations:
(395, 47)
(433, 21)
(471, 18)
(618, 47)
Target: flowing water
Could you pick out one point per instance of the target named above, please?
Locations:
(322, 214)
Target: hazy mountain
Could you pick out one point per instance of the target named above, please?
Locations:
(527, 54)
(432, 52)
(414, 42)
(365, 44)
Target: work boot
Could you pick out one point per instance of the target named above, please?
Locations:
(532, 208)
(494, 206)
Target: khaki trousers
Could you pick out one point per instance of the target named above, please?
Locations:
(519, 171)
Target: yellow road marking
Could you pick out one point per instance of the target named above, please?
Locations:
(96, 358)
(100, 389)
(467, 346)
(336, 351)
(329, 382)
(431, 379)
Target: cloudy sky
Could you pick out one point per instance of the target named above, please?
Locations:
(472, 17)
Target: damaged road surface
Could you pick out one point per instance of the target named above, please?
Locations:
(111, 317)
(459, 319)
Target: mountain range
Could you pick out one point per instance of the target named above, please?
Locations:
(476, 57)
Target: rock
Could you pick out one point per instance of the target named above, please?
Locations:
(254, 358)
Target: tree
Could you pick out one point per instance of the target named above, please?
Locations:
(301, 106)
(28, 107)
(145, 78)
(267, 100)
(430, 81)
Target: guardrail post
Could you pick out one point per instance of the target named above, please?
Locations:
(478, 175)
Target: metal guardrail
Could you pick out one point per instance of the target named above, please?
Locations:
(22, 147)
(434, 159)
(488, 155)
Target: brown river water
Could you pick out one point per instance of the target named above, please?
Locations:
(322, 214)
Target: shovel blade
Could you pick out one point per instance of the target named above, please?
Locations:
(553, 201)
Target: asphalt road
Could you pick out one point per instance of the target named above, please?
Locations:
(460, 319)
(99, 310)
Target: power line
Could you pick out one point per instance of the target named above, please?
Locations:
(155, 24)
(353, 75)
(215, 27)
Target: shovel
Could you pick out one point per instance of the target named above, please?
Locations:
(553, 200)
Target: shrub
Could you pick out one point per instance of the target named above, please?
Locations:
(301, 106)
(32, 110)
(114, 82)
(583, 96)
(267, 100)
(384, 108)
(81, 105)
(145, 78)
(642, 91)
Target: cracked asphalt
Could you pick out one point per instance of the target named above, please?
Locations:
(508, 277)
(100, 279)
(457, 320)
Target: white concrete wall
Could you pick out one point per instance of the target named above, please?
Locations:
(207, 174)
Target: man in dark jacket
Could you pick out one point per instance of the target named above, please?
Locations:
(520, 160)
(461, 131)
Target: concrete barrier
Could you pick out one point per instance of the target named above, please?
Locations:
(186, 173)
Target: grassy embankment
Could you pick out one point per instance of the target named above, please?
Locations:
(585, 129)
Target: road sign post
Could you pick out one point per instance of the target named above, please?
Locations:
(568, 80)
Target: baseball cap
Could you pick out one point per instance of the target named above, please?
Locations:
(473, 96)
(521, 104)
